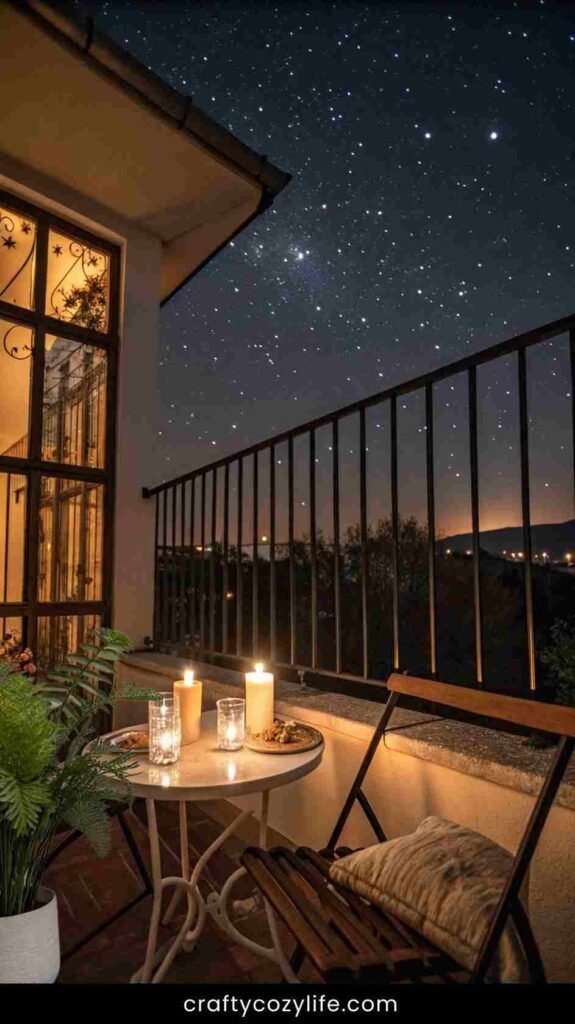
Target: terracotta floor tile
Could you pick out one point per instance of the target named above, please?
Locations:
(90, 889)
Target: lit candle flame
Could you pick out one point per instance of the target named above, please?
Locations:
(167, 740)
(231, 732)
(188, 677)
(259, 667)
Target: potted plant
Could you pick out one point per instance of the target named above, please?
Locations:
(47, 784)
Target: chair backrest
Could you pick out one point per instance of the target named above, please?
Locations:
(551, 718)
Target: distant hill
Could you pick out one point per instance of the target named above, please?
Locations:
(554, 538)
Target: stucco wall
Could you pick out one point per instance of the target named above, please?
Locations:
(137, 433)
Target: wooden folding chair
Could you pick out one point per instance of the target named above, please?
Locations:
(346, 937)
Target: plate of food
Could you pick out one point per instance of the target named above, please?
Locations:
(285, 737)
(131, 742)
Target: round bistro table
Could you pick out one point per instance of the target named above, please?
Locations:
(204, 772)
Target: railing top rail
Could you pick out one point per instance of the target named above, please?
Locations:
(486, 355)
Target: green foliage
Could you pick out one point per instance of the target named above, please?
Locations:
(86, 304)
(559, 657)
(47, 782)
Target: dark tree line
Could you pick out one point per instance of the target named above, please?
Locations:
(182, 596)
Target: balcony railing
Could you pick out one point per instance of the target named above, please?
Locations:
(300, 551)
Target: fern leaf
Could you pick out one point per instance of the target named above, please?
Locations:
(22, 802)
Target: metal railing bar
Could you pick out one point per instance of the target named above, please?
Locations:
(526, 516)
(336, 548)
(157, 605)
(313, 548)
(508, 347)
(572, 361)
(292, 593)
(203, 564)
(164, 625)
(255, 561)
(213, 560)
(430, 474)
(192, 606)
(225, 567)
(474, 475)
(183, 563)
(363, 542)
(273, 605)
(173, 573)
(239, 570)
(395, 532)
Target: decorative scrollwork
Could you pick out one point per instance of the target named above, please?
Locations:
(84, 304)
(9, 241)
(17, 350)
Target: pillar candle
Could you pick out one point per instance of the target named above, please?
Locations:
(189, 690)
(259, 701)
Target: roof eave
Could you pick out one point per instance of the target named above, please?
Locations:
(147, 88)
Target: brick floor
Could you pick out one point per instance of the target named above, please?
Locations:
(89, 890)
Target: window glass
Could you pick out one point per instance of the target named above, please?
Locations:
(16, 344)
(70, 548)
(12, 528)
(77, 288)
(74, 419)
(17, 258)
(60, 634)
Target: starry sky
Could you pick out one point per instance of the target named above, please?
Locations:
(430, 215)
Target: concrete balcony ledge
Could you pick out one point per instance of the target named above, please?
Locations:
(498, 757)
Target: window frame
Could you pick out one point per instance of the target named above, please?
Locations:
(33, 467)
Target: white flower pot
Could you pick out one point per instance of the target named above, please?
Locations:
(30, 944)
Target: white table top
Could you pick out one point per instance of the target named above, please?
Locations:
(204, 772)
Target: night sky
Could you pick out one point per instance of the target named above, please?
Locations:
(430, 215)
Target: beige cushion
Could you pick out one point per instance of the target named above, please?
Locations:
(444, 881)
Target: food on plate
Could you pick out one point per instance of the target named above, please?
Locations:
(132, 740)
(282, 732)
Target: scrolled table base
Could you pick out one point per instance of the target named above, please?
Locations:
(158, 961)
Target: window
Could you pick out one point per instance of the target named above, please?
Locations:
(58, 350)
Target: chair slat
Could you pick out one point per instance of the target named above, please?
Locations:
(305, 934)
(552, 718)
(390, 931)
(339, 910)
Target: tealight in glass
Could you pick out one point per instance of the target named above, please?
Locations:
(231, 723)
(165, 729)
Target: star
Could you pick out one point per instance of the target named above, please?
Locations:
(9, 242)
(25, 227)
(57, 250)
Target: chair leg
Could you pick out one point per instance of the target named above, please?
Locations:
(297, 958)
(529, 943)
(69, 838)
(137, 856)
